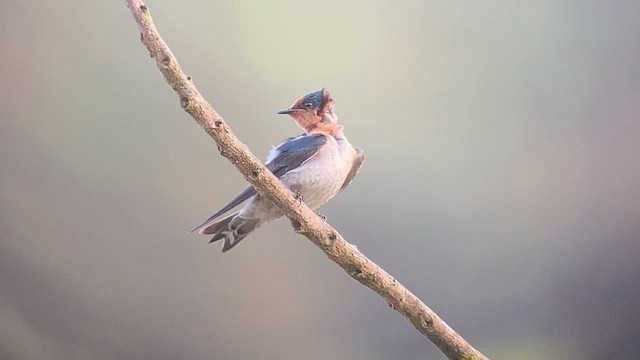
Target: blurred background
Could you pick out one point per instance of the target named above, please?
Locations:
(502, 181)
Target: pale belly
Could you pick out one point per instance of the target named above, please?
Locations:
(321, 177)
(316, 184)
(317, 181)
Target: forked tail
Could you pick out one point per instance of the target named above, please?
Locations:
(232, 229)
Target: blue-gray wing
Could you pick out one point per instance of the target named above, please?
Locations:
(294, 152)
(287, 156)
(357, 163)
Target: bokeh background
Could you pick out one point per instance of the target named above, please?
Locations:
(502, 181)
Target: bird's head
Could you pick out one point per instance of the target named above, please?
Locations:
(314, 111)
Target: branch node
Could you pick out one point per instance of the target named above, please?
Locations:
(329, 240)
(355, 272)
(255, 173)
(143, 7)
(184, 102)
(297, 227)
(426, 322)
(166, 61)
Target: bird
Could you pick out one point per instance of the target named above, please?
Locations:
(315, 166)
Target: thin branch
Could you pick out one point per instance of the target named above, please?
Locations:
(306, 221)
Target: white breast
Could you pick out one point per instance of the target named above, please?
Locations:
(320, 178)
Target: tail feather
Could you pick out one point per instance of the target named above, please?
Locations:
(232, 229)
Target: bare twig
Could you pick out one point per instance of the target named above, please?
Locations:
(306, 221)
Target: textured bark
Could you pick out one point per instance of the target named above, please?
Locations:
(304, 220)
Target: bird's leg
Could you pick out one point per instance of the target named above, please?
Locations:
(298, 196)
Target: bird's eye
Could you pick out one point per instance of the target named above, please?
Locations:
(307, 105)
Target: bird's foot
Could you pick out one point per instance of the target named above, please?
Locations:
(298, 196)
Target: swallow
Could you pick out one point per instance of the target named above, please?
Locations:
(315, 166)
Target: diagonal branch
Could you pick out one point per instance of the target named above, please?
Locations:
(306, 221)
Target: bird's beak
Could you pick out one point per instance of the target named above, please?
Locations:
(289, 111)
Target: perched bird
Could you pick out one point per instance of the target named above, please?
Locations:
(315, 166)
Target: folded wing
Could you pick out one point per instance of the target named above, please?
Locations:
(357, 163)
(285, 157)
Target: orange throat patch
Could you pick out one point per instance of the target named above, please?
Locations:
(330, 129)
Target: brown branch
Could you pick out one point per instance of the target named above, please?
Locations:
(306, 221)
